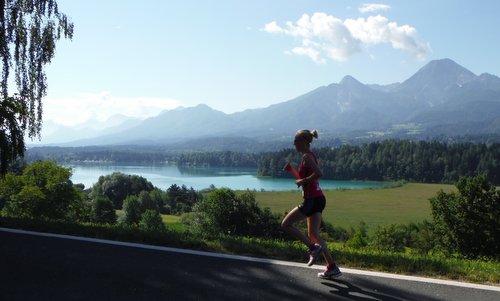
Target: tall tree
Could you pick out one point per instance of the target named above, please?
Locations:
(44, 190)
(29, 30)
(117, 186)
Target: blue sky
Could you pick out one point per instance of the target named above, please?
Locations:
(138, 58)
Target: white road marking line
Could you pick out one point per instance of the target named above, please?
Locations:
(254, 259)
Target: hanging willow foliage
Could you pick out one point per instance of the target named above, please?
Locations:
(29, 30)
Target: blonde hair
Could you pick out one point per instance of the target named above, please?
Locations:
(307, 135)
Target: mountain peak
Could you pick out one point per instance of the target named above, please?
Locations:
(199, 107)
(349, 80)
(445, 69)
(202, 106)
(434, 79)
(442, 62)
(351, 83)
(486, 81)
(487, 76)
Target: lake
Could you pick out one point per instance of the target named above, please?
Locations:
(163, 176)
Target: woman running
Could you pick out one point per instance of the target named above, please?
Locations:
(312, 207)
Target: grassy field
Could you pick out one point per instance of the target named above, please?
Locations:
(347, 208)
(172, 222)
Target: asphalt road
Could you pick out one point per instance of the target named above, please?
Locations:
(34, 267)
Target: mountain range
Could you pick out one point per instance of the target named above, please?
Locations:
(442, 98)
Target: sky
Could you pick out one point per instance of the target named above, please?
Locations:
(138, 58)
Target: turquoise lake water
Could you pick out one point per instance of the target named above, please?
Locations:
(163, 176)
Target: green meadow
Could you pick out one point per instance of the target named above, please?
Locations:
(348, 208)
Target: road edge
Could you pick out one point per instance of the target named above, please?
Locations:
(254, 259)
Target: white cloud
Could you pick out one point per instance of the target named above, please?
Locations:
(405, 37)
(372, 7)
(312, 53)
(102, 106)
(321, 34)
(373, 30)
(328, 37)
(272, 27)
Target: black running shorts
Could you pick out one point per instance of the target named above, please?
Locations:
(312, 206)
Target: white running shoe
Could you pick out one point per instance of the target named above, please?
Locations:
(314, 254)
(330, 272)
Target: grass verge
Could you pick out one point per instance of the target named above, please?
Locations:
(486, 272)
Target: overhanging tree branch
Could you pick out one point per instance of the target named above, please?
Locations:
(29, 30)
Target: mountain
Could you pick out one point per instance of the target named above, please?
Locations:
(432, 83)
(442, 98)
(471, 107)
(169, 126)
(57, 134)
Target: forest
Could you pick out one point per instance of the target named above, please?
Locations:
(421, 161)
(140, 155)
(429, 162)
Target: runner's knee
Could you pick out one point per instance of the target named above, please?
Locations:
(285, 224)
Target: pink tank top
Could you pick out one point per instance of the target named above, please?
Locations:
(311, 189)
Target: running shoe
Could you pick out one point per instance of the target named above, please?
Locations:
(332, 271)
(314, 253)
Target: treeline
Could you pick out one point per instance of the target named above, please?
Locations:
(423, 161)
(417, 161)
(140, 155)
(219, 159)
(118, 154)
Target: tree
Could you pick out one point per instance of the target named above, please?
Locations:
(151, 221)
(181, 199)
(132, 209)
(224, 212)
(160, 199)
(146, 202)
(103, 211)
(118, 186)
(468, 221)
(220, 208)
(10, 184)
(28, 34)
(44, 190)
(27, 203)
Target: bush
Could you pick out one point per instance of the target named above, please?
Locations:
(391, 238)
(335, 233)
(468, 221)
(224, 212)
(359, 239)
(151, 221)
(425, 240)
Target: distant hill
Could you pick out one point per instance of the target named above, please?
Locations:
(442, 98)
(56, 134)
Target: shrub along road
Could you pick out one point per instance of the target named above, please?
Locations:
(38, 267)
